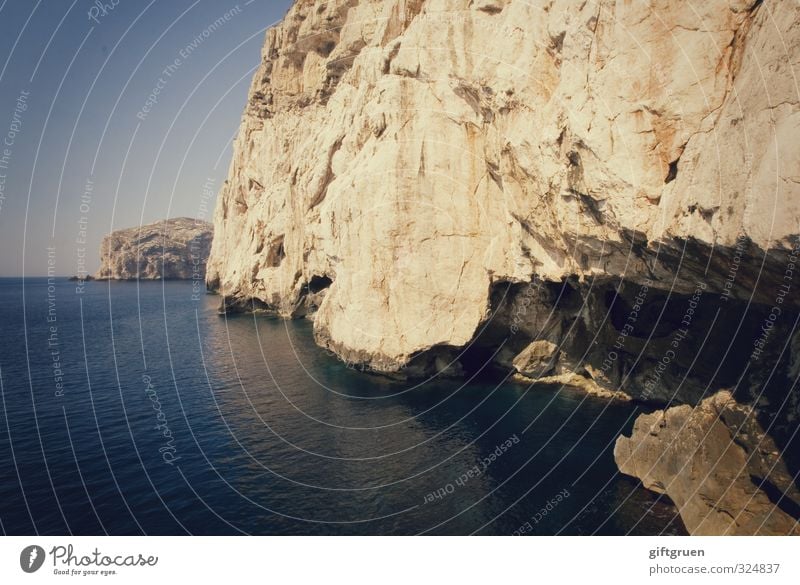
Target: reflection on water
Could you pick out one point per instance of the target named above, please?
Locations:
(177, 420)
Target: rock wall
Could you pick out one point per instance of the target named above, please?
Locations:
(719, 467)
(171, 249)
(416, 153)
(600, 193)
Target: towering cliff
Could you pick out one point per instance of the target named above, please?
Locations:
(171, 249)
(605, 193)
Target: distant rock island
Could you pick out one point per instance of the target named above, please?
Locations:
(173, 249)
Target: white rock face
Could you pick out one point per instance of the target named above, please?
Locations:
(591, 193)
(412, 154)
(172, 249)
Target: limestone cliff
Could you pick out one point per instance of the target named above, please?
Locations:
(605, 193)
(416, 153)
(171, 249)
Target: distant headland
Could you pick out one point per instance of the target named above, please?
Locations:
(172, 249)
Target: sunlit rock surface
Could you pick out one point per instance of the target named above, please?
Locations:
(416, 153)
(440, 184)
(171, 249)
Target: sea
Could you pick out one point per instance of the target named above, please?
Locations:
(133, 408)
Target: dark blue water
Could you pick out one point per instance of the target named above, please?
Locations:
(136, 409)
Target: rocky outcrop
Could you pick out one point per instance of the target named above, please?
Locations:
(725, 475)
(171, 249)
(536, 360)
(440, 184)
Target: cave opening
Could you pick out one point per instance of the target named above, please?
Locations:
(318, 283)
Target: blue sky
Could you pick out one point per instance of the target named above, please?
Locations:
(82, 147)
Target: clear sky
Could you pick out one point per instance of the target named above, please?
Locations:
(83, 150)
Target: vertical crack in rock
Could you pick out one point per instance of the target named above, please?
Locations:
(672, 173)
(328, 176)
(275, 252)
